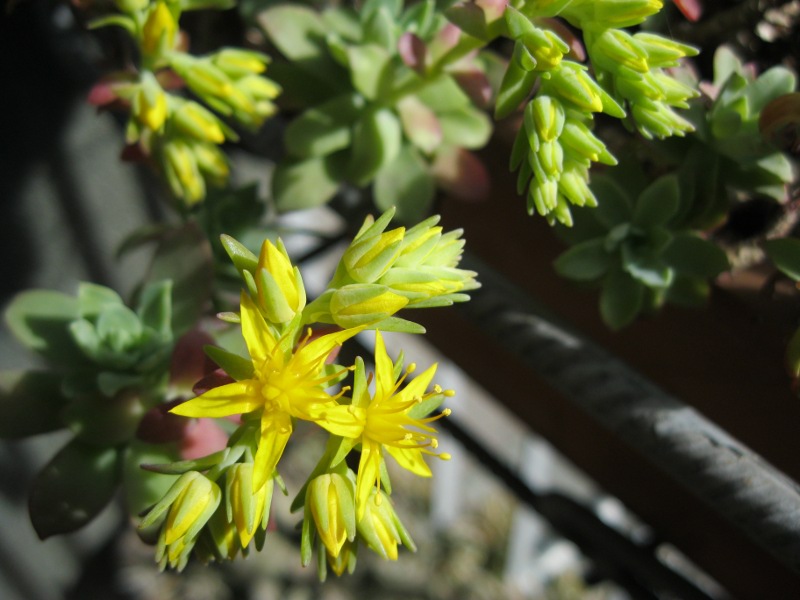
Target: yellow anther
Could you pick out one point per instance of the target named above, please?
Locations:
(437, 389)
(411, 368)
(434, 443)
(444, 456)
(449, 393)
(446, 412)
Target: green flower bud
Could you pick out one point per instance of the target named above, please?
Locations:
(182, 172)
(419, 242)
(601, 14)
(663, 52)
(331, 499)
(149, 106)
(211, 161)
(369, 257)
(362, 303)
(381, 528)
(617, 51)
(189, 504)
(159, 31)
(448, 250)
(574, 185)
(246, 508)
(548, 117)
(574, 84)
(577, 139)
(237, 62)
(414, 284)
(195, 120)
(657, 119)
(281, 292)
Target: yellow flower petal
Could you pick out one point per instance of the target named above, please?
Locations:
(276, 428)
(231, 399)
(411, 460)
(257, 336)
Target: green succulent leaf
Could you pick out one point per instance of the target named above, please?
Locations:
(586, 261)
(371, 70)
(621, 299)
(297, 31)
(39, 319)
(155, 307)
(466, 127)
(407, 184)
(324, 129)
(613, 203)
(105, 421)
(645, 266)
(692, 255)
(380, 28)
(658, 203)
(785, 254)
(303, 184)
(377, 139)
(73, 488)
(30, 403)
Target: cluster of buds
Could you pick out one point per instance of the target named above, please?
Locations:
(219, 504)
(180, 135)
(555, 148)
(634, 67)
(553, 152)
(385, 271)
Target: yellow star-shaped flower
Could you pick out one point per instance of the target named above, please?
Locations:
(286, 383)
(383, 422)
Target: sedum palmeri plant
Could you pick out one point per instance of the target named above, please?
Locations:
(140, 401)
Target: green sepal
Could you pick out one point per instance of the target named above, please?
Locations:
(516, 86)
(238, 367)
(143, 488)
(184, 466)
(126, 23)
(73, 488)
(243, 259)
(154, 307)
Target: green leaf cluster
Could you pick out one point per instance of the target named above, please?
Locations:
(381, 101)
(633, 247)
(108, 366)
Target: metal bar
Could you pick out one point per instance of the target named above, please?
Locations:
(738, 484)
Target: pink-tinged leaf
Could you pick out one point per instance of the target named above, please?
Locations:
(576, 50)
(493, 9)
(106, 91)
(413, 51)
(189, 362)
(691, 9)
(159, 426)
(170, 80)
(202, 437)
(779, 122)
(476, 85)
(461, 174)
(445, 40)
(420, 124)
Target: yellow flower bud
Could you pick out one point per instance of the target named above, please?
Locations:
(159, 30)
